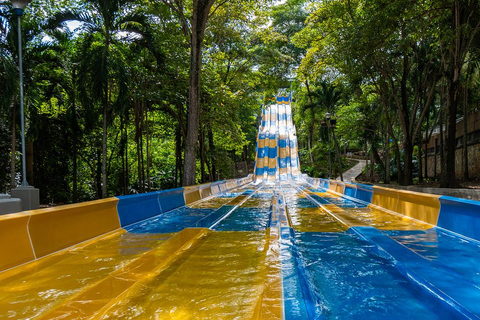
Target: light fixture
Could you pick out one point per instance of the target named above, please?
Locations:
(19, 6)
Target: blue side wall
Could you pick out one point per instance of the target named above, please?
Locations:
(460, 215)
(138, 207)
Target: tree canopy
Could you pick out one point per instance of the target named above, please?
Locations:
(132, 96)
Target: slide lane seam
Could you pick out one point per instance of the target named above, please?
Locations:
(290, 257)
(130, 266)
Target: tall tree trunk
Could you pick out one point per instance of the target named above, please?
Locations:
(420, 161)
(312, 123)
(98, 174)
(372, 165)
(448, 178)
(426, 146)
(337, 151)
(201, 9)
(13, 148)
(399, 164)
(442, 142)
(127, 171)
(405, 122)
(211, 145)
(464, 28)
(465, 134)
(149, 182)
(75, 134)
(122, 152)
(202, 155)
(387, 159)
(75, 171)
(245, 158)
(104, 153)
(178, 155)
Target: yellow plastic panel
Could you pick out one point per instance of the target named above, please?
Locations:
(215, 189)
(421, 206)
(385, 198)
(35, 288)
(99, 295)
(191, 194)
(272, 143)
(231, 184)
(256, 203)
(386, 221)
(53, 229)
(223, 186)
(340, 187)
(221, 276)
(261, 143)
(237, 200)
(260, 162)
(205, 192)
(270, 304)
(15, 245)
(313, 220)
(333, 185)
(211, 203)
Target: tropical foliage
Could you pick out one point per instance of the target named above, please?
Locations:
(130, 96)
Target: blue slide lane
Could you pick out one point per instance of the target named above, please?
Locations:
(350, 281)
(456, 253)
(298, 299)
(459, 297)
(340, 202)
(245, 219)
(172, 221)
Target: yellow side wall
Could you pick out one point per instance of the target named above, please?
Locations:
(53, 229)
(421, 206)
(333, 185)
(16, 248)
(206, 192)
(340, 187)
(191, 194)
(385, 198)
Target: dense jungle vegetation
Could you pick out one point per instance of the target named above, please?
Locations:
(133, 96)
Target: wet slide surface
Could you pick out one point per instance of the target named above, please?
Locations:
(262, 251)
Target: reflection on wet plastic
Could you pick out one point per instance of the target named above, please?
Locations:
(237, 256)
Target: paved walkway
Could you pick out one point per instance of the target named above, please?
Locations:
(353, 172)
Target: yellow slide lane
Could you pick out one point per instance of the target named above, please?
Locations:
(223, 275)
(36, 287)
(368, 216)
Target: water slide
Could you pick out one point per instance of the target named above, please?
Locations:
(275, 245)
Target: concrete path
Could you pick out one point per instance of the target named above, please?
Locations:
(353, 172)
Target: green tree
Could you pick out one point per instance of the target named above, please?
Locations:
(103, 70)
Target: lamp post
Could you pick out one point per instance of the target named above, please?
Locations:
(30, 196)
(18, 7)
(327, 117)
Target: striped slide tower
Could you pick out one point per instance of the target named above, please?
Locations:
(276, 151)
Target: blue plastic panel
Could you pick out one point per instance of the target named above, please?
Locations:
(460, 216)
(455, 297)
(171, 199)
(364, 192)
(137, 207)
(350, 191)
